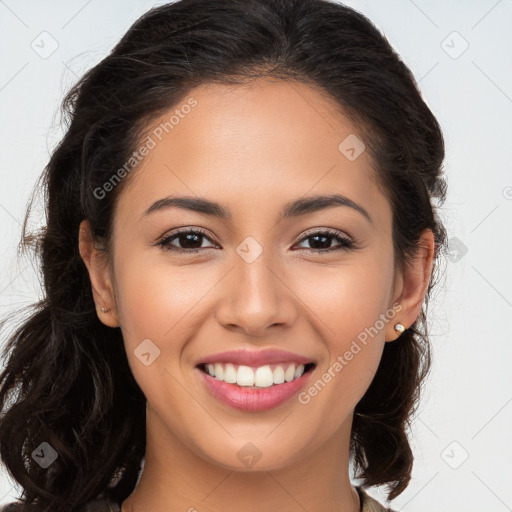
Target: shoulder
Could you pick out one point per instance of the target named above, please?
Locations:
(369, 504)
(98, 505)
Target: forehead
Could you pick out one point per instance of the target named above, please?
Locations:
(271, 139)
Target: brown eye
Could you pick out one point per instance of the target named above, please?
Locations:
(189, 241)
(321, 241)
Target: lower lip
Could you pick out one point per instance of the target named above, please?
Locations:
(249, 399)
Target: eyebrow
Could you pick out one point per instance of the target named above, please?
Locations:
(295, 208)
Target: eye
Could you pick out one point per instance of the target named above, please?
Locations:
(322, 241)
(189, 239)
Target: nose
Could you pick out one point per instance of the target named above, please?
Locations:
(256, 297)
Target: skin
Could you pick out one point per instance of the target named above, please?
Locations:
(252, 149)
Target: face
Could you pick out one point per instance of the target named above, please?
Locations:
(254, 279)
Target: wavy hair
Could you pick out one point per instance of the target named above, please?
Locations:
(66, 380)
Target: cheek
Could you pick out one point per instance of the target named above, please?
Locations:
(155, 296)
(348, 298)
(157, 304)
(165, 303)
(352, 303)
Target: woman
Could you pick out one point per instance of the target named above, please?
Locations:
(239, 249)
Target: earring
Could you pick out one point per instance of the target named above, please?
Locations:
(104, 310)
(399, 328)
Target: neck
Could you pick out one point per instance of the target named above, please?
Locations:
(176, 478)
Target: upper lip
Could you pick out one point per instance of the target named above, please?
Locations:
(255, 357)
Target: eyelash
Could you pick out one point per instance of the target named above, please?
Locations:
(345, 243)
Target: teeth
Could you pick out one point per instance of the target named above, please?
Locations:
(219, 370)
(299, 371)
(244, 376)
(278, 375)
(289, 374)
(230, 374)
(261, 377)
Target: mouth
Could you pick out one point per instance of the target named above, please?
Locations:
(255, 380)
(256, 377)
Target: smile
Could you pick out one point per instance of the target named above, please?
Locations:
(265, 376)
(254, 380)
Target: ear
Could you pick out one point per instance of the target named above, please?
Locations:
(99, 274)
(411, 285)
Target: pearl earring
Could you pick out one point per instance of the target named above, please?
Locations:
(104, 310)
(399, 328)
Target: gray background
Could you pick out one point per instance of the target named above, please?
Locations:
(459, 436)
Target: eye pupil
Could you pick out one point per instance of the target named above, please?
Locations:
(190, 239)
(316, 245)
